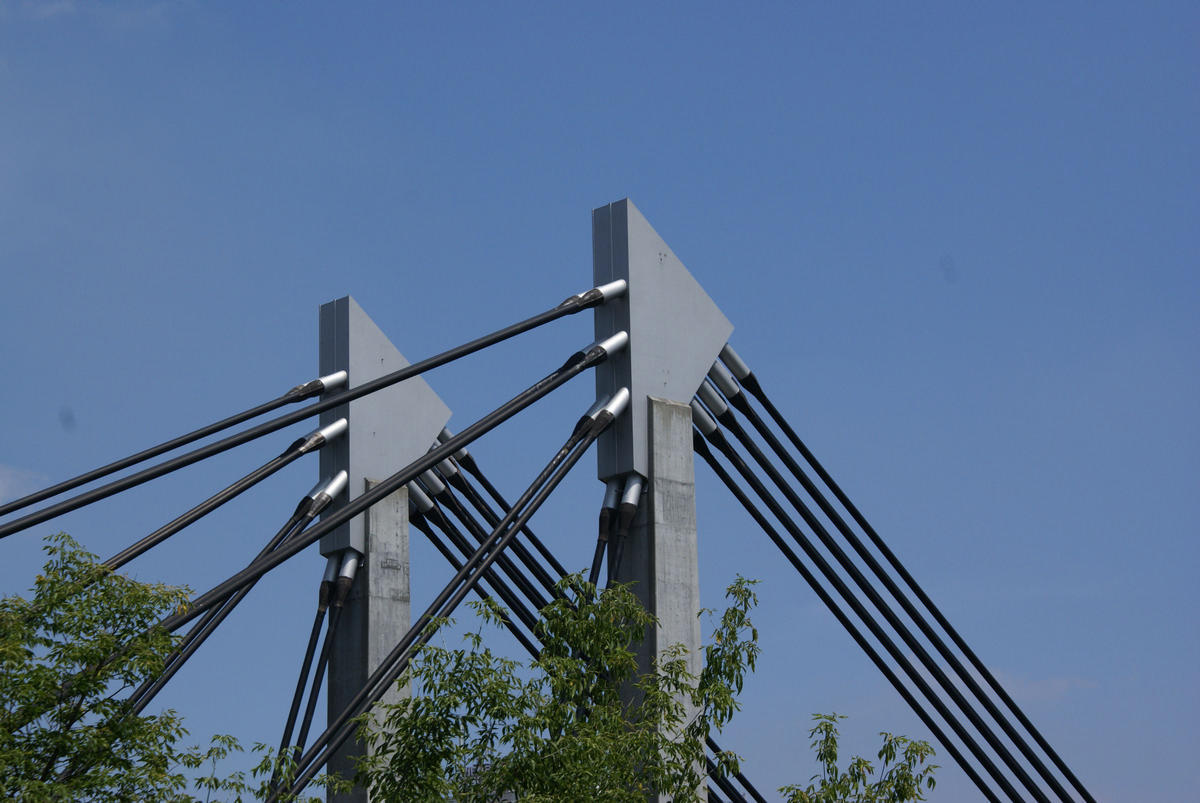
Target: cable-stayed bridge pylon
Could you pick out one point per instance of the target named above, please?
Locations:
(668, 387)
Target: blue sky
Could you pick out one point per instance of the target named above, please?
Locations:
(958, 244)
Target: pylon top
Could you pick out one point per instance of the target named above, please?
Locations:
(675, 330)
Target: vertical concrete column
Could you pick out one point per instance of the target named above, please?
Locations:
(388, 430)
(660, 557)
(676, 332)
(377, 615)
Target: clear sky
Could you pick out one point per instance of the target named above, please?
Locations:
(959, 245)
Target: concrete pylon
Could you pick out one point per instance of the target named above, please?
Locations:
(387, 430)
(676, 333)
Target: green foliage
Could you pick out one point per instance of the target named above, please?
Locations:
(556, 729)
(68, 656)
(902, 772)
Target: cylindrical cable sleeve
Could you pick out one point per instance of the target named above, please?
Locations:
(432, 483)
(724, 380)
(606, 518)
(712, 400)
(731, 359)
(612, 492)
(345, 579)
(418, 499)
(325, 589)
(634, 483)
(462, 454)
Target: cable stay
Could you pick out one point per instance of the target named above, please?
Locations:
(339, 729)
(309, 507)
(725, 416)
(296, 450)
(422, 515)
(906, 635)
(457, 480)
(573, 304)
(741, 778)
(341, 591)
(716, 405)
(624, 517)
(724, 378)
(466, 462)
(701, 448)
(576, 364)
(719, 405)
(299, 393)
(324, 596)
(440, 495)
(709, 430)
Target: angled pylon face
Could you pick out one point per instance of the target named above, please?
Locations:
(675, 330)
(388, 429)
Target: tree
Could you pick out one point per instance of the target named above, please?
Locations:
(902, 771)
(482, 726)
(68, 656)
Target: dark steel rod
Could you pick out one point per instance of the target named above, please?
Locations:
(570, 306)
(575, 365)
(861, 612)
(751, 383)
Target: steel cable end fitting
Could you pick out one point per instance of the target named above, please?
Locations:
(702, 419)
(741, 370)
(320, 437)
(724, 380)
(323, 593)
(462, 456)
(599, 350)
(432, 482)
(629, 503)
(731, 358)
(713, 401)
(345, 579)
(418, 500)
(612, 492)
(318, 386)
(611, 344)
(330, 491)
(615, 405)
(597, 295)
(602, 413)
(448, 470)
